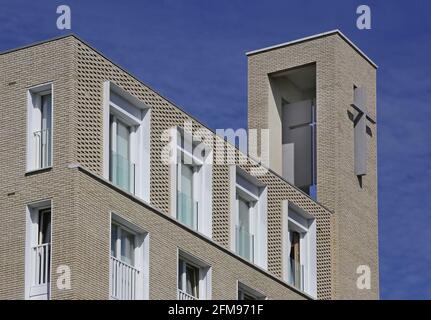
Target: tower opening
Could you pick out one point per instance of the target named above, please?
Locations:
(294, 93)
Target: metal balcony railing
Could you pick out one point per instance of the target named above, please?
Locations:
(124, 278)
(41, 264)
(185, 296)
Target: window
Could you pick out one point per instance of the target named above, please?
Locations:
(300, 248)
(192, 184)
(296, 269)
(39, 127)
(247, 293)
(244, 233)
(249, 218)
(38, 248)
(188, 279)
(122, 168)
(129, 261)
(194, 279)
(187, 206)
(126, 141)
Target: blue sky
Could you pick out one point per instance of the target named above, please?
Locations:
(193, 52)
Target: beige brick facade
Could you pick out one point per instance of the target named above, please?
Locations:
(82, 201)
(339, 67)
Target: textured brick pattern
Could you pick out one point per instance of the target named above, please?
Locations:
(94, 70)
(96, 201)
(81, 206)
(19, 70)
(339, 67)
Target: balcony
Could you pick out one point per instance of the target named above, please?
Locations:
(296, 274)
(244, 243)
(187, 210)
(185, 296)
(42, 148)
(40, 274)
(122, 172)
(124, 279)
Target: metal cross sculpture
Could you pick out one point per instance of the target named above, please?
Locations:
(360, 127)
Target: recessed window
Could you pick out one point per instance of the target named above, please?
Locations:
(247, 293)
(38, 261)
(128, 261)
(39, 127)
(192, 184)
(300, 249)
(249, 218)
(194, 279)
(122, 170)
(126, 141)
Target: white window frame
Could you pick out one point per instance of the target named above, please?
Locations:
(245, 289)
(297, 219)
(32, 221)
(141, 254)
(205, 274)
(34, 121)
(202, 177)
(248, 186)
(136, 114)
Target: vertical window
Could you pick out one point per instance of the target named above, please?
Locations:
(39, 142)
(38, 248)
(122, 166)
(129, 262)
(44, 226)
(296, 269)
(249, 232)
(299, 229)
(126, 141)
(191, 199)
(189, 279)
(245, 237)
(187, 200)
(194, 278)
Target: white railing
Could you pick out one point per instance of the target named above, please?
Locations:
(124, 278)
(42, 151)
(41, 264)
(185, 296)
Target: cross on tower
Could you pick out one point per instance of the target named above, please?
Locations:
(360, 127)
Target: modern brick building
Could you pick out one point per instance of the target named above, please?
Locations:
(110, 191)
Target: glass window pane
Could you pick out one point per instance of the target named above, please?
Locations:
(185, 204)
(114, 237)
(123, 133)
(44, 226)
(127, 247)
(243, 236)
(180, 274)
(123, 165)
(192, 280)
(243, 214)
(46, 111)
